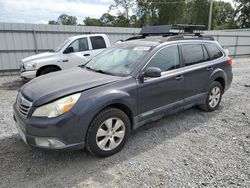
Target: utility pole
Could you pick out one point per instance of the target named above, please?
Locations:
(210, 15)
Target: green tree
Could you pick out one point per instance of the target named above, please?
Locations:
(133, 21)
(122, 21)
(65, 19)
(53, 22)
(108, 20)
(197, 12)
(92, 22)
(243, 13)
(147, 13)
(169, 11)
(126, 5)
(224, 15)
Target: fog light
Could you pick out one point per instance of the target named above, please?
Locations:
(49, 143)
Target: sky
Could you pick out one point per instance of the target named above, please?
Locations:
(41, 11)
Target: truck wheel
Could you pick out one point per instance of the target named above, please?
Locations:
(108, 132)
(213, 98)
(48, 70)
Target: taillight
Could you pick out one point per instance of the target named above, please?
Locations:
(230, 61)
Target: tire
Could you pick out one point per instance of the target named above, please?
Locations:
(108, 132)
(48, 70)
(214, 94)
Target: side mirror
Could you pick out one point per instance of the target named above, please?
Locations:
(152, 72)
(69, 50)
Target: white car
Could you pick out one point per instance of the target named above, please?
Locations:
(75, 51)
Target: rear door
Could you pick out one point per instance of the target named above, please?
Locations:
(198, 68)
(98, 44)
(157, 95)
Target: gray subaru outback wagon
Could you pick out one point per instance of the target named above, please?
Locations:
(134, 82)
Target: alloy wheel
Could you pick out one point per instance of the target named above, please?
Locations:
(214, 97)
(110, 134)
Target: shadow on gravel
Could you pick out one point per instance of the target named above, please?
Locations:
(13, 85)
(22, 165)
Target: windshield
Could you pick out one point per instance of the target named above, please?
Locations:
(119, 60)
(58, 48)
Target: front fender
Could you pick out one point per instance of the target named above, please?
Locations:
(90, 104)
(52, 61)
(94, 103)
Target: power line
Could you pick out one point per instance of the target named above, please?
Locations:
(171, 2)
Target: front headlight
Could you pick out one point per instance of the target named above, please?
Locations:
(57, 107)
(30, 66)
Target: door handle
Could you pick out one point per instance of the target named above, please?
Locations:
(209, 68)
(180, 77)
(65, 60)
(86, 54)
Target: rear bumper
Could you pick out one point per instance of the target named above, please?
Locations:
(28, 74)
(64, 129)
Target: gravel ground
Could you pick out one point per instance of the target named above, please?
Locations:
(188, 149)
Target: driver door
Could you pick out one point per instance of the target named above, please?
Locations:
(76, 54)
(159, 95)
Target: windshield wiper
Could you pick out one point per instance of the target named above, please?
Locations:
(84, 66)
(99, 71)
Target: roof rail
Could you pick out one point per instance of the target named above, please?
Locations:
(190, 37)
(185, 32)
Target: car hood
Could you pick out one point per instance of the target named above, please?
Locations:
(38, 57)
(52, 86)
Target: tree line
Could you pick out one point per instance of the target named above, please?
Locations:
(139, 13)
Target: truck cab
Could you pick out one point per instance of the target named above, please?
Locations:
(74, 51)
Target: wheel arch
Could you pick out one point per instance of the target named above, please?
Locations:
(121, 106)
(222, 82)
(38, 72)
(219, 76)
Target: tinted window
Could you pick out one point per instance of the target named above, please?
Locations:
(206, 56)
(97, 42)
(166, 59)
(192, 53)
(213, 51)
(80, 45)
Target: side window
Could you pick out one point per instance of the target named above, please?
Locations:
(213, 51)
(192, 54)
(80, 45)
(206, 56)
(97, 42)
(83, 44)
(166, 59)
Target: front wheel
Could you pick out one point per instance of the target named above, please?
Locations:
(213, 98)
(108, 132)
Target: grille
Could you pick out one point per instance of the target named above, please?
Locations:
(22, 67)
(23, 104)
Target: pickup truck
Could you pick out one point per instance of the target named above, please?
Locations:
(75, 51)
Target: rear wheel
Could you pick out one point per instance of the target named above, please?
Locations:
(213, 98)
(108, 132)
(48, 70)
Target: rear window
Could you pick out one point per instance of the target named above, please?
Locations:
(213, 51)
(97, 42)
(192, 54)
